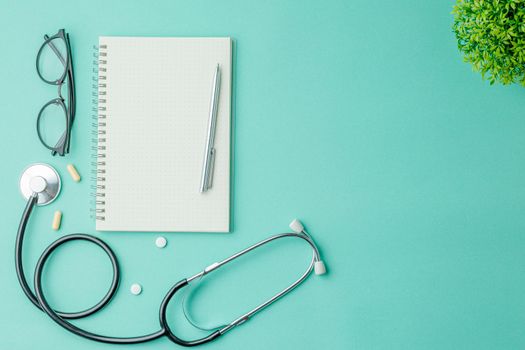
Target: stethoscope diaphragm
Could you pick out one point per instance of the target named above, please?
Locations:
(42, 179)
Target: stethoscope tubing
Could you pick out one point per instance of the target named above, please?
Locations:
(39, 300)
(238, 321)
(245, 317)
(61, 318)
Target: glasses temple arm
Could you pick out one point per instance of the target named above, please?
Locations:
(55, 50)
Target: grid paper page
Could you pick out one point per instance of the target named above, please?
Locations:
(158, 94)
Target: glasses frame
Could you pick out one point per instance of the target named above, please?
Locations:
(63, 143)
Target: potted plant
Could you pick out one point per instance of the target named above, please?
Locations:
(491, 36)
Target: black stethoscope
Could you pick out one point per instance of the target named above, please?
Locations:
(40, 185)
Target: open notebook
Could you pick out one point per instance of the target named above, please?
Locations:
(153, 108)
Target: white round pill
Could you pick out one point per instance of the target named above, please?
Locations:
(136, 289)
(161, 242)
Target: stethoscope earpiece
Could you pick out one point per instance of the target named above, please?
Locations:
(319, 268)
(298, 227)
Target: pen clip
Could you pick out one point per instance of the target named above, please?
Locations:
(210, 172)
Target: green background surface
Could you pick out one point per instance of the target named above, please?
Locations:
(358, 117)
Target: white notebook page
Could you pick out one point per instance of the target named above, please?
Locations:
(157, 98)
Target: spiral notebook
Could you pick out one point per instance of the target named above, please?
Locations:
(152, 114)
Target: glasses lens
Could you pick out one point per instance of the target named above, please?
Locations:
(52, 62)
(52, 125)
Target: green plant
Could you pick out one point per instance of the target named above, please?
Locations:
(491, 35)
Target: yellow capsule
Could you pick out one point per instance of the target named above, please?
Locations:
(73, 172)
(56, 220)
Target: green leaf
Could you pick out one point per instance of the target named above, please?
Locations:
(491, 36)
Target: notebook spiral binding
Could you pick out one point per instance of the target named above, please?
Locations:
(99, 133)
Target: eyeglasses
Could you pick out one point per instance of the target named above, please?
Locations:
(54, 65)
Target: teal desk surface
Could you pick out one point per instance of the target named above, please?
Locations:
(358, 117)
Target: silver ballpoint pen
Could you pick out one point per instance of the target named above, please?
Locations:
(209, 152)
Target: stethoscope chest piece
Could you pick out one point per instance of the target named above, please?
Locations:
(42, 179)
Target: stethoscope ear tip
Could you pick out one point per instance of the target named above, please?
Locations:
(296, 226)
(319, 268)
